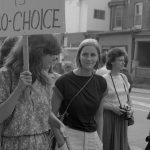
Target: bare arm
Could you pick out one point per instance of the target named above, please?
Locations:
(129, 100)
(7, 107)
(125, 79)
(56, 124)
(99, 119)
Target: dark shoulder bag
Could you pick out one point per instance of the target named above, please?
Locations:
(148, 116)
(148, 144)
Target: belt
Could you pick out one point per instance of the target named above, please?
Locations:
(28, 135)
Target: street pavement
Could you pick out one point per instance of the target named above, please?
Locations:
(138, 132)
(138, 90)
(135, 148)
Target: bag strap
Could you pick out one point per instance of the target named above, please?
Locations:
(77, 94)
(115, 90)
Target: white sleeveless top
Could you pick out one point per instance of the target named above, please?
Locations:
(119, 82)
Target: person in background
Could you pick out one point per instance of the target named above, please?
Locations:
(25, 95)
(126, 72)
(103, 70)
(118, 107)
(58, 68)
(84, 119)
(6, 47)
(67, 66)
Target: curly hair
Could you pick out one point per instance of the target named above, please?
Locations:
(112, 55)
(88, 42)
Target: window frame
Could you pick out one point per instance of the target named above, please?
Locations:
(98, 14)
(118, 9)
(138, 14)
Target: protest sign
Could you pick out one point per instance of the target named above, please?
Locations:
(25, 17)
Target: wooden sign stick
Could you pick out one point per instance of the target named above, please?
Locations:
(26, 61)
(25, 53)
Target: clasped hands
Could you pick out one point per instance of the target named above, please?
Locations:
(125, 109)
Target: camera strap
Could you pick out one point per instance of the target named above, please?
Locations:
(116, 89)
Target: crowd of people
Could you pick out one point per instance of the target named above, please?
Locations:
(93, 99)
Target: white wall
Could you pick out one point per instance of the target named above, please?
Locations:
(83, 15)
(79, 15)
(72, 10)
(97, 24)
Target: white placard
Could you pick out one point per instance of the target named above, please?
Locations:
(26, 17)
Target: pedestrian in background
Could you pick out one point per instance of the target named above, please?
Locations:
(6, 47)
(58, 68)
(25, 95)
(103, 70)
(81, 91)
(67, 66)
(117, 104)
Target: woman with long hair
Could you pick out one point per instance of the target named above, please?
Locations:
(25, 95)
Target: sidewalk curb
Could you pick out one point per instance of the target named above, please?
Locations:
(138, 90)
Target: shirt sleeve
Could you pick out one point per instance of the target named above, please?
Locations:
(4, 87)
(57, 92)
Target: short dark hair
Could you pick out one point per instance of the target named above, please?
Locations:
(126, 61)
(113, 54)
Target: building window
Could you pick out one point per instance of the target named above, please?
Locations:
(99, 14)
(138, 15)
(118, 14)
(129, 1)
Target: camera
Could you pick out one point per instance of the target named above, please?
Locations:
(147, 138)
(125, 114)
